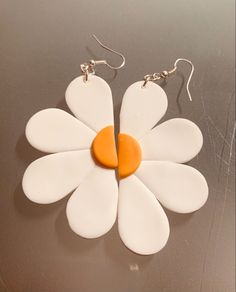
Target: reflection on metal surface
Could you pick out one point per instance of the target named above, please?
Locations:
(134, 267)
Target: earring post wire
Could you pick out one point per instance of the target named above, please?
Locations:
(164, 74)
(112, 51)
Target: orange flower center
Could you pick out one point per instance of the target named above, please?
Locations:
(105, 154)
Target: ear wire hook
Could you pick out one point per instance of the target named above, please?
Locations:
(89, 68)
(190, 75)
(165, 74)
(110, 50)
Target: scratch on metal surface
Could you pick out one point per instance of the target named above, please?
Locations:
(3, 283)
(208, 129)
(227, 179)
(209, 235)
(201, 118)
(214, 215)
(231, 149)
(222, 160)
(218, 131)
(228, 163)
(226, 189)
(225, 134)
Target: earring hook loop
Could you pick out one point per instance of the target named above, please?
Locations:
(164, 74)
(112, 51)
(89, 67)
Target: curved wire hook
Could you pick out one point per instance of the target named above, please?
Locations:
(164, 74)
(190, 75)
(110, 50)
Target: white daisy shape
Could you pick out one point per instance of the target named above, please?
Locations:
(85, 159)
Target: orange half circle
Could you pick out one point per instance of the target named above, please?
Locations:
(104, 148)
(129, 155)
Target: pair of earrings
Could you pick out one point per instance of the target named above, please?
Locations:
(149, 160)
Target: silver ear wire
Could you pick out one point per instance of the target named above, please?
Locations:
(190, 75)
(164, 74)
(89, 68)
(110, 50)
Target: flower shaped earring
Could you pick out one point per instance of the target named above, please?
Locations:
(85, 159)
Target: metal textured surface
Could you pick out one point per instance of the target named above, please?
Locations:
(42, 44)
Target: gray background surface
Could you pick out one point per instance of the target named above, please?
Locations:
(42, 44)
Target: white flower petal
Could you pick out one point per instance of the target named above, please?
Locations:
(178, 187)
(52, 177)
(92, 208)
(91, 101)
(143, 224)
(142, 108)
(54, 130)
(177, 140)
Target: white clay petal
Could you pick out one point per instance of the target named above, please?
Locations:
(142, 108)
(92, 208)
(91, 101)
(177, 140)
(52, 177)
(54, 130)
(178, 187)
(143, 224)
